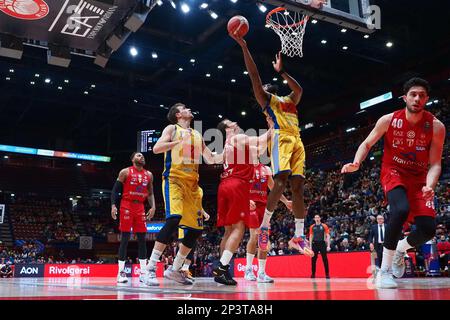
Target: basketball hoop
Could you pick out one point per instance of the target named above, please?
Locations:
(290, 27)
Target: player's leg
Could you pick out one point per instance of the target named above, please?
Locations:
(142, 254)
(187, 263)
(315, 249)
(262, 259)
(424, 231)
(225, 237)
(251, 251)
(222, 271)
(323, 253)
(125, 237)
(398, 214)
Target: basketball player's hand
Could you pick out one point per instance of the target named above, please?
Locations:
(252, 205)
(318, 4)
(328, 249)
(428, 193)
(350, 167)
(114, 212)
(238, 39)
(206, 215)
(278, 64)
(150, 213)
(288, 205)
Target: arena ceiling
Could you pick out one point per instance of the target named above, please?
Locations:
(90, 109)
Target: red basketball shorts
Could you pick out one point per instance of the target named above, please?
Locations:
(233, 201)
(391, 178)
(256, 217)
(132, 215)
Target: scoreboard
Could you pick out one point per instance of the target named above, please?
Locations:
(147, 139)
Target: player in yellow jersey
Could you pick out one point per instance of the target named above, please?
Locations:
(286, 148)
(183, 148)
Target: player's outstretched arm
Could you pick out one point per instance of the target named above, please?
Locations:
(436, 148)
(377, 132)
(165, 142)
(261, 95)
(296, 89)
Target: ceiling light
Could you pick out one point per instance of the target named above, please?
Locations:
(59, 88)
(86, 92)
(220, 116)
(234, 1)
(11, 70)
(219, 66)
(154, 55)
(208, 75)
(366, 36)
(47, 80)
(262, 7)
(275, 79)
(37, 75)
(389, 44)
(204, 5)
(5, 157)
(78, 164)
(161, 105)
(159, 3)
(267, 25)
(213, 14)
(93, 86)
(246, 72)
(323, 41)
(66, 81)
(192, 60)
(32, 82)
(343, 30)
(180, 69)
(173, 4)
(314, 21)
(133, 51)
(344, 48)
(135, 101)
(286, 13)
(8, 78)
(243, 113)
(185, 8)
(233, 80)
(285, 81)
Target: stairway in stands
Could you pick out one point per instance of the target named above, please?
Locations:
(6, 235)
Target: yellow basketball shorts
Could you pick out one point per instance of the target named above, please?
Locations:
(183, 198)
(287, 154)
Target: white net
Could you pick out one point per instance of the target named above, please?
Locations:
(290, 27)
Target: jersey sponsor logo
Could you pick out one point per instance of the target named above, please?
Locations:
(422, 136)
(411, 156)
(410, 142)
(397, 142)
(420, 148)
(421, 143)
(398, 133)
(25, 9)
(411, 134)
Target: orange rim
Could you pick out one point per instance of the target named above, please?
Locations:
(278, 9)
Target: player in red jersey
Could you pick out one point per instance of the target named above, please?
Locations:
(135, 186)
(240, 155)
(413, 143)
(262, 179)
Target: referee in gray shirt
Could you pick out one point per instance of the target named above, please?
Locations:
(319, 238)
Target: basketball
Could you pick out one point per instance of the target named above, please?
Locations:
(238, 25)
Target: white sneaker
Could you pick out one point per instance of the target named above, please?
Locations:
(177, 276)
(385, 280)
(122, 277)
(398, 264)
(249, 275)
(150, 278)
(142, 277)
(264, 278)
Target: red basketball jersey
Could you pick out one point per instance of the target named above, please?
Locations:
(135, 186)
(407, 146)
(237, 163)
(260, 181)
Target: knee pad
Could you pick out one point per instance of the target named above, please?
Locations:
(168, 230)
(191, 237)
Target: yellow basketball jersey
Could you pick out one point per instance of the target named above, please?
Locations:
(283, 112)
(183, 160)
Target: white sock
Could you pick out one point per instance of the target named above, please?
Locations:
(154, 258)
(250, 260)
(403, 245)
(388, 256)
(178, 262)
(299, 227)
(262, 266)
(143, 264)
(121, 265)
(185, 267)
(266, 219)
(226, 257)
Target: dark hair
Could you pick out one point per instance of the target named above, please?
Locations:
(222, 126)
(172, 115)
(133, 154)
(271, 88)
(416, 82)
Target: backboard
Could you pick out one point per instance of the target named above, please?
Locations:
(351, 14)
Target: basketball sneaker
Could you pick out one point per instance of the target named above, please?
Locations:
(249, 275)
(263, 238)
(188, 276)
(150, 277)
(385, 280)
(398, 264)
(142, 276)
(176, 275)
(302, 245)
(264, 278)
(222, 275)
(122, 277)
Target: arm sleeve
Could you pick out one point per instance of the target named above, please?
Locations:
(116, 192)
